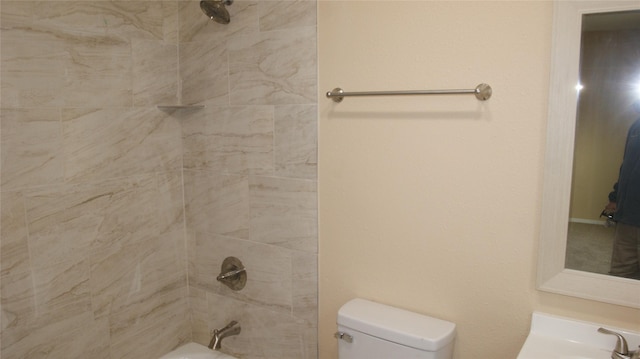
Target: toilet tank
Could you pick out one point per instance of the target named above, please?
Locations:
(369, 330)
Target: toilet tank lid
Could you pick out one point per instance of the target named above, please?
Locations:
(396, 325)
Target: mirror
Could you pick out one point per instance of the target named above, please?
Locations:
(609, 75)
(565, 128)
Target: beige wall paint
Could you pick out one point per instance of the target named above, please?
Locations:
(433, 203)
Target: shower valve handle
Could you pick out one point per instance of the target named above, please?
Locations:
(230, 274)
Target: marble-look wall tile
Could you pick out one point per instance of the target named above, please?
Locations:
(64, 223)
(265, 333)
(32, 72)
(28, 331)
(221, 310)
(93, 258)
(110, 249)
(14, 249)
(204, 73)
(263, 140)
(48, 208)
(273, 68)
(66, 89)
(44, 67)
(128, 19)
(81, 211)
(18, 309)
(92, 79)
(31, 144)
(171, 24)
(53, 53)
(170, 200)
(234, 140)
(155, 79)
(36, 61)
(141, 331)
(171, 218)
(61, 290)
(305, 287)
(284, 212)
(216, 203)
(196, 26)
(309, 333)
(74, 337)
(116, 226)
(83, 19)
(296, 141)
(268, 270)
(200, 316)
(109, 142)
(278, 15)
(134, 273)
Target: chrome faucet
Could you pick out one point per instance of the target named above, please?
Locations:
(621, 351)
(219, 334)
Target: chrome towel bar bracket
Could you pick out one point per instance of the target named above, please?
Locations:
(482, 93)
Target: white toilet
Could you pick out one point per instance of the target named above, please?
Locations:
(368, 330)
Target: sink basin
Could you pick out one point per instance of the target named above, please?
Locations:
(553, 337)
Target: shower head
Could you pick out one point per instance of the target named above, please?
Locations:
(216, 11)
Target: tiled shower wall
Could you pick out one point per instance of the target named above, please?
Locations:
(92, 244)
(250, 173)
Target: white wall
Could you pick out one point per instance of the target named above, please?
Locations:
(433, 203)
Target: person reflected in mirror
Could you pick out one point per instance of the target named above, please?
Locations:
(624, 204)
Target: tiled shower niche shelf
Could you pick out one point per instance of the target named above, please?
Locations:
(180, 107)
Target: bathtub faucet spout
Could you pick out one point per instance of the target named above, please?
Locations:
(219, 334)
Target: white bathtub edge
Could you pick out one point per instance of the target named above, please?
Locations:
(195, 351)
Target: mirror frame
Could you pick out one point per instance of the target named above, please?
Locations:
(558, 164)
